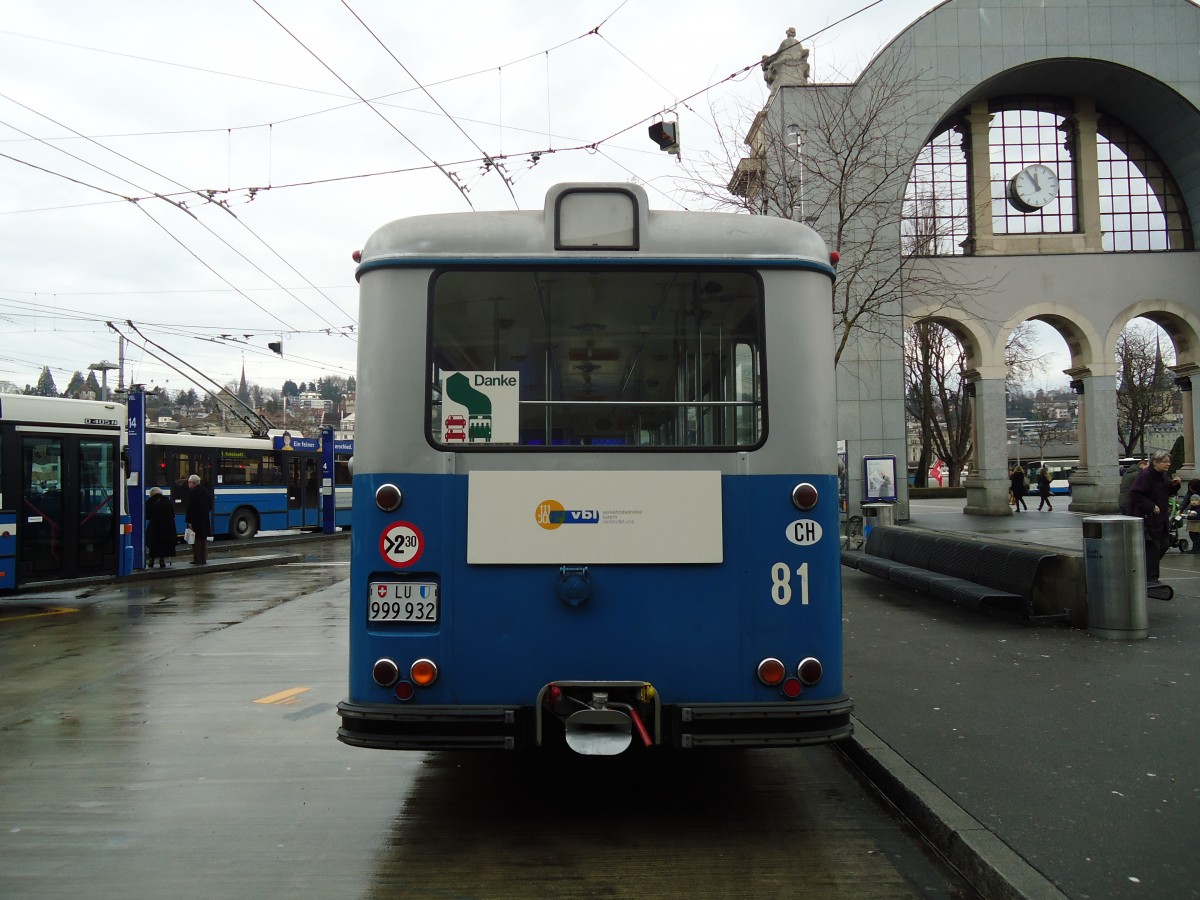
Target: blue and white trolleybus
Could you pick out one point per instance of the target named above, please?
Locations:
(62, 490)
(595, 482)
(257, 483)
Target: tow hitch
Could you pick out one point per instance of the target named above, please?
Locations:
(596, 724)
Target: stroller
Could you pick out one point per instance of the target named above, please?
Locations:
(1177, 520)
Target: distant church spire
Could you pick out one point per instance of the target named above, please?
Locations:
(243, 390)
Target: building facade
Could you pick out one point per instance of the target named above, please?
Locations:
(1028, 160)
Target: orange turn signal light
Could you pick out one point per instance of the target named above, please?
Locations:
(423, 672)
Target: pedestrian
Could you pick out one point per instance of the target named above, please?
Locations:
(1127, 478)
(199, 507)
(160, 528)
(1149, 498)
(1043, 484)
(1018, 485)
(1193, 490)
(1192, 514)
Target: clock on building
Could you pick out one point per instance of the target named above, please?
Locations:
(1033, 187)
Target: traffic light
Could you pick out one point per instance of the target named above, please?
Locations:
(276, 346)
(666, 135)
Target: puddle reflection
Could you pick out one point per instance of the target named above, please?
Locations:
(731, 824)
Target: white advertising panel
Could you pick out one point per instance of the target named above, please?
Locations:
(594, 517)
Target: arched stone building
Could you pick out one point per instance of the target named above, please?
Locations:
(1051, 153)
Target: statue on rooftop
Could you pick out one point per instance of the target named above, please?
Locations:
(788, 65)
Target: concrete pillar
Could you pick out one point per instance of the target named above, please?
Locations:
(1184, 376)
(979, 167)
(1095, 483)
(1087, 172)
(987, 485)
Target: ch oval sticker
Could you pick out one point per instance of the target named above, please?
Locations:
(804, 532)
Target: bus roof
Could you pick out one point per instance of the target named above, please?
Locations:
(606, 221)
(61, 411)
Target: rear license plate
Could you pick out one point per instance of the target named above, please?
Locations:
(402, 601)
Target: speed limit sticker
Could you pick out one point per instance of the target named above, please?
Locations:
(401, 544)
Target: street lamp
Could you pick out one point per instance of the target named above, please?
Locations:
(794, 141)
(103, 367)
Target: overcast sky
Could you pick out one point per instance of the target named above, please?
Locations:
(105, 106)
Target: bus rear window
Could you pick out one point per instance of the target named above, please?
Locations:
(603, 359)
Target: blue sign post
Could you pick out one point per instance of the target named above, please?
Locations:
(135, 487)
(328, 501)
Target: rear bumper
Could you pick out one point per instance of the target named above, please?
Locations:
(762, 724)
(686, 726)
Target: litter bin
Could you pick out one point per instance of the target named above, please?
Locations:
(877, 514)
(1114, 567)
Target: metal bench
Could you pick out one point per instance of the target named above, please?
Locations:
(967, 571)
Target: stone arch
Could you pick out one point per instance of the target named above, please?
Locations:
(967, 330)
(1181, 324)
(1082, 339)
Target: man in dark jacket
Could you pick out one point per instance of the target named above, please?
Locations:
(199, 508)
(1149, 499)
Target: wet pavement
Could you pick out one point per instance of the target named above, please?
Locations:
(1041, 759)
(175, 737)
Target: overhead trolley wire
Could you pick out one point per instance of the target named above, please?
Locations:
(488, 159)
(379, 99)
(257, 424)
(355, 101)
(208, 198)
(371, 102)
(449, 175)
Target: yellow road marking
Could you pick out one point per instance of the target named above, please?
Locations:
(286, 697)
(50, 611)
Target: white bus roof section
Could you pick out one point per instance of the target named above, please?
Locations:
(533, 236)
(61, 411)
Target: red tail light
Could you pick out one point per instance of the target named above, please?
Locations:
(771, 671)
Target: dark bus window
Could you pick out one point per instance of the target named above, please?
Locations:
(598, 359)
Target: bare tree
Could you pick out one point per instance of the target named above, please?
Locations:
(1021, 358)
(1144, 383)
(935, 391)
(842, 167)
(1043, 429)
(935, 397)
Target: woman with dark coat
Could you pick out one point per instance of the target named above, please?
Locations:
(160, 527)
(1044, 489)
(1016, 486)
(1149, 499)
